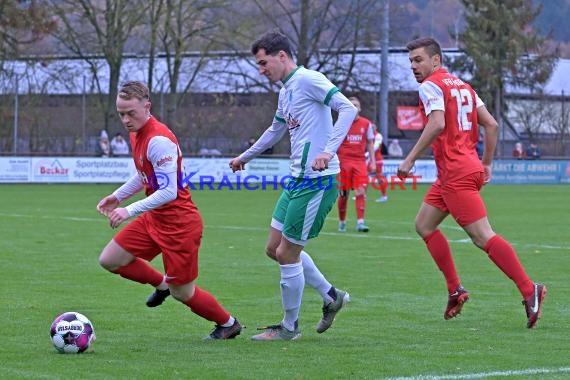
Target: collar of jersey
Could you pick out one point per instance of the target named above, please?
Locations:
(291, 74)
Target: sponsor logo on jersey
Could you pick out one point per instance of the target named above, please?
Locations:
(164, 160)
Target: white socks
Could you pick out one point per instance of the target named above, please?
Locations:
(315, 278)
(292, 284)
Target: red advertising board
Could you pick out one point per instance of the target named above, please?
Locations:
(409, 118)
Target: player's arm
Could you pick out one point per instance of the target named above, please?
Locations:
(163, 154)
(378, 141)
(127, 190)
(346, 114)
(270, 137)
(370, 141)
(491, 127)
(435, 111)
(488, 122)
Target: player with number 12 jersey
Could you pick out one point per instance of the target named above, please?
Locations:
(454, 149)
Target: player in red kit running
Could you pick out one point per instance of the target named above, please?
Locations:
(452, 112)
(353, 168)
(167, 221)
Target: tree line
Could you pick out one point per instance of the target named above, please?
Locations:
(497, 36)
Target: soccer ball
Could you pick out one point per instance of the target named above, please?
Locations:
(72, 333)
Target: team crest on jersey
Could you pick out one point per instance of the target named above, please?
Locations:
(292, 123)
(361, 131)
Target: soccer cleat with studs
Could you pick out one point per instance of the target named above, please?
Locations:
(533, 305)
(330, 310)
(221, 332)
(157, 297)
(277, 332)
(455, 302)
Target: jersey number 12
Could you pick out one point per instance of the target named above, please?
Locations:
(463, 109)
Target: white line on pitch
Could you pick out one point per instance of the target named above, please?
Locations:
(482, 375)
(245, 228)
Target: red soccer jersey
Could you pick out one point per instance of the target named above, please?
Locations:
(454, 149)
(353, 147)
(182, 206)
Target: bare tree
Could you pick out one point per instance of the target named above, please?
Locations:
(530, 114)
(91, 29)
(326, 36)
(22, 24)
(186, 26)
(561, 123)
(155, 13)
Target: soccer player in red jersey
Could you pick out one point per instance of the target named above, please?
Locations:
(167, 220)
(353, 168)
(452, 112)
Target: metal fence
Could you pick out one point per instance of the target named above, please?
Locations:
(71, 124)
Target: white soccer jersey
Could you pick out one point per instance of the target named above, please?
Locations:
(304, 108)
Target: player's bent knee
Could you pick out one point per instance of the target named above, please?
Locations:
(108, 262)
(182, 293)
(271, 252)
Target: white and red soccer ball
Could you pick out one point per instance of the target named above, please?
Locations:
(72, 333)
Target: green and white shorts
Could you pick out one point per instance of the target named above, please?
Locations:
(303, 206)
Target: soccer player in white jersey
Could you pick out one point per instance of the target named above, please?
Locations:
(304, 109)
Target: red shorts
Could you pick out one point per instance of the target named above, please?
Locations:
(460, 198)
(353, 173)
(178, 241)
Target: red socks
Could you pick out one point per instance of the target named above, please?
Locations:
(440, 251)
(201, 303)
(360, 202)
(140, 271)
(342, 201)
(207, 307)
(505, 257)
(499, 251)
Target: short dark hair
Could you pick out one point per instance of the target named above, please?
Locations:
(272, 42)
(431, 45)
(134, 89)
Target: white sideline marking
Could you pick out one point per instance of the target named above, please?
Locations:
(522, 372)
(265, 229)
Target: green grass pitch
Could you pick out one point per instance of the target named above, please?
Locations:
(393, 328)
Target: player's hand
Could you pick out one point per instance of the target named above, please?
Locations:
(118, 216)
(236, 164)
(107, 204)
(321, 162)
(371, 166)
(405, 168)
(487, 174)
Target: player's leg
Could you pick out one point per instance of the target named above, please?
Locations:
(292, 282)
(205, 305)
(360, 183)
(334, 299)
(313, 276)
(297, 219)
(383, 182)
(345, 186)
(472, 216)
(180, 246)
(432, 212)
(127, 255)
